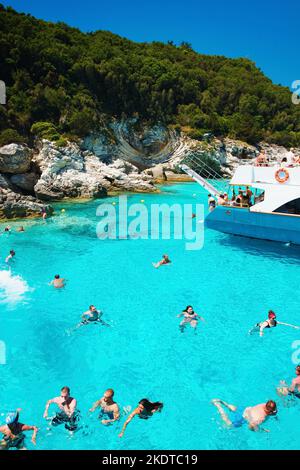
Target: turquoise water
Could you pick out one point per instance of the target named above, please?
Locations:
(232, 282)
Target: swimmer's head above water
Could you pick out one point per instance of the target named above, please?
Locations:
(189, 309)
(271, 408)
(148, 406)
(271, 315)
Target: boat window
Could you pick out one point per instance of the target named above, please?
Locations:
(291, 207)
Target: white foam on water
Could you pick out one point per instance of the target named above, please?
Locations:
(12, 288)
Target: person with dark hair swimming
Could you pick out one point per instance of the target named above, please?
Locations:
(58, 282)
(144, 410)
(68, 414)
(13, 432)
(271, 322)
(165, 260)
(253, 415)
(190, 318)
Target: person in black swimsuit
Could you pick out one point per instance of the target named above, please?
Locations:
(271, 322)
(144, 410)
(13, 432)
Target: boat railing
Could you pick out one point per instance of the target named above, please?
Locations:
(198, 164)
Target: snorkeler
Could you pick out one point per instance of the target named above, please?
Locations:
(165, 260)
(13, 436)
(190, 318)
(109, 408)
(253, 415)
(68, 414)
(12, 253)
(294, 389)
(58, 282)
(144, 410)
(271, 322)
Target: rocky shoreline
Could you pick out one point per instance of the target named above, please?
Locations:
(118, 159)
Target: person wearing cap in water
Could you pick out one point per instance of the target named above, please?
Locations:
(165, 260)
(271, 322)
(294, 389)
(109, 408)
(254, 416)
(58, 282)
(13, 432)
(68, 413)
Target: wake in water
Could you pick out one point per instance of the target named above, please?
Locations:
(12, 288)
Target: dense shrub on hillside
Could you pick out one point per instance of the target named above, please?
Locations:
(57, 74)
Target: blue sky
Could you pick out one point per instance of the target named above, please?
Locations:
(265, 31)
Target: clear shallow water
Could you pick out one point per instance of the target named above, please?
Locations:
(232, 282)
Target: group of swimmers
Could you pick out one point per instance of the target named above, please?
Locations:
(69, 415)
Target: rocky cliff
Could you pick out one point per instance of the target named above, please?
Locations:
(123, 157)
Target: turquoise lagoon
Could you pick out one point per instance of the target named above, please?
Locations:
(232, 282)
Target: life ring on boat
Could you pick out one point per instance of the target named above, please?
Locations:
(282, 175)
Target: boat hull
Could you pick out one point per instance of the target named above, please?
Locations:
(273, 226)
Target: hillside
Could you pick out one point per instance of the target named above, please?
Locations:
(67, 83)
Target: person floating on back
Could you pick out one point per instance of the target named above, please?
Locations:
(254, 416)
(13, 432)
(271, 322)
(144, 410)
(165, 260)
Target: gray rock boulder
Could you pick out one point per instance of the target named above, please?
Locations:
(25, 181)
(15, 158)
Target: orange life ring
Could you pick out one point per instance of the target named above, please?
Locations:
(282, 175)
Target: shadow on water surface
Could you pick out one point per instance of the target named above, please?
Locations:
(283, 251)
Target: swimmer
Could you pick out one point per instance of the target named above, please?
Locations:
(144, 410)
(190, 318)
(254, 416)
(68, 414)
(92, 315)
(271, 322)
(294, 389)
(21, 229)
(58, 282)
(44, 213)
(165, 260)
(109, 408)
(13, 436)
(12, 253)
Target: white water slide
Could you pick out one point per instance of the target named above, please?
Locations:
(199, 179)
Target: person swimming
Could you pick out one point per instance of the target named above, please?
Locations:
(68, 414)
(110, 411)
(13, 432)
(284, 390)
(58, 282)
(190, 318)
(144, 410)
(271, 322)
(254, 416)
(165, 260)
(11, 255)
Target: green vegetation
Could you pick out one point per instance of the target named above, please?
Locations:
(76, 83)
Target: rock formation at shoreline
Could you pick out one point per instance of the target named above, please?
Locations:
(123, 157)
